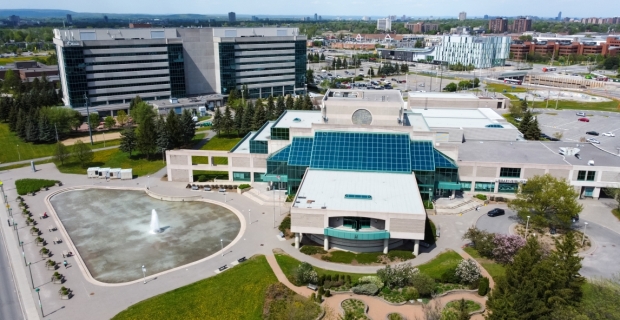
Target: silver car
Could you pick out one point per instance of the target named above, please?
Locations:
(594, 141)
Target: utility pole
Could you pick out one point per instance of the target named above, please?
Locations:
(90, 131)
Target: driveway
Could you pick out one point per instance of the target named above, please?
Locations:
(499, 224)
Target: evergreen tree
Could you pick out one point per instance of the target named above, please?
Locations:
(334, 64)
(238, 120)
(164, 141)
(121, 117)
(308, 103)
(216, 123)
(566, 264)
(173, 128)
(134, 102)
(344, 63)
(245, 92)
(227, 121)
(461, 310)
(372, 72)
(525, 123)
(322, 57)
(32, 130)
(298, 103)
(270, 109)
(232, 96)
(280, 108)
(13, 116)
(5, 108)
(524, 104)
(129, 140)
(338, 63)
(188, 128)
(248, 117)
(46, 131)
(259, 116)
(533, 131)
(289, 102)
(20, 126)
(147, 136)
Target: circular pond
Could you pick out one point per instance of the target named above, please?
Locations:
(111, 231)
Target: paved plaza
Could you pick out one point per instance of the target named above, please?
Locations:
(95, 300)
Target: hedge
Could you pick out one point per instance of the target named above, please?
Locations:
(25, 186)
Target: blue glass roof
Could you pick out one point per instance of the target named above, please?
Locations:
(281, 155)
(442, 161)
(385, 152)
(422, 156)
(301, 150)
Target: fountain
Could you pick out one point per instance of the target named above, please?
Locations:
(155, 223)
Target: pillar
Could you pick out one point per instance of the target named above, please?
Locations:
(296, 240)
(386, 243)
(416, 247)
(326, 243)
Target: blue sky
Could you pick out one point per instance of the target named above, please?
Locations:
(373, 8)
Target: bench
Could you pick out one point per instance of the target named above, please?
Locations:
(67, 254)
(57, 240)
(242, 260)
(52, 228)
(312, 287)
(222, 268)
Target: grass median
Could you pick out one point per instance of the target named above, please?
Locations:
(494, 269)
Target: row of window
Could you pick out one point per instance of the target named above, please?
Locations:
(586, 175)
(135, 84)
(132, 77)
(123, 54)
(126, 70)
(87, 64)
(125, 93)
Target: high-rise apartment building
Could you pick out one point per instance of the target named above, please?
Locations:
(232, 17)
(498, 25)
(559, 16)
(109, 67)
(105, 19)
(522, 24)
(421, 27)
(462, 16)
(384, 24)
(316, 17)
(69, 19)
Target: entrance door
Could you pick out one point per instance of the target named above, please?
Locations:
(588, 192)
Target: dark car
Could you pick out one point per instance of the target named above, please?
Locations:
(576, 218)
(496, 212)
(592, 133)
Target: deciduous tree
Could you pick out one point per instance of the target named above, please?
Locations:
(109, 122)
(129, 140)
(82, 153)
(61, 153)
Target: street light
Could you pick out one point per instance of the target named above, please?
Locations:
(224, 196)
(40, 305)
(222, 244)
(31, 280)
(527, 224)
(430, 195)
(583, 238)
(18, 154)
(144, 273)
(250, 214)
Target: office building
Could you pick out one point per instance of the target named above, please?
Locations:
(69, 19)
(384, 24)
(361, 167)
(105, 19)
(463, 16)
(232, 17)
(316, 17)
(498, 25)
(482, 52)
(112, 66)
(422, 27)
(559, 16)
(13, 20)
(522, 24)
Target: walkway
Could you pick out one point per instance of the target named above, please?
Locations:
(96, 138)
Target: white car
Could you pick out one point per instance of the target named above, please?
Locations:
(592, 140)
(608, 134)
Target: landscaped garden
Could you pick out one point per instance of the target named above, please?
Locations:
(354, 309)
(367, 258)
(470, 305)
(221, 142)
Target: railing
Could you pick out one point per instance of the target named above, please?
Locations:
(357, 235)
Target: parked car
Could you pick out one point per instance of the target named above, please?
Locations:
(394, 79)
(594, 141)
(584, 119)
(592, 133)
(576, 218)
(496, 212)
(608, 134)
(361, 69)
(581, 114)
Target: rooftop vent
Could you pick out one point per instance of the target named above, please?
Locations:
(296, 120)
(591, 162)
(358, 196)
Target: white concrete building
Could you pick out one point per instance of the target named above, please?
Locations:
(384, 24)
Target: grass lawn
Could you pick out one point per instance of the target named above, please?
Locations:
(114, 158)
(288, 264)
(221, 143)
(444, 261)
(501, 87)
(4, 61)
(27, 150)
(613, 106)
(511, 119)
(493, 268)
(234, 294)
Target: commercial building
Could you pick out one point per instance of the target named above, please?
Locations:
(362, 167)
(563, 47)
(421, 27)
(384, 24)
(232, 17)
(109, 67)
(498, 25)
(522, 24)
(482, 52)
(462, 16)
(29, 70)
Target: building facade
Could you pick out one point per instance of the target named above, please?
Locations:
(522, 24)
(498, 25)
(232, 17)
(421, 27)
(384, 24)
(107, 67)
(462, 16)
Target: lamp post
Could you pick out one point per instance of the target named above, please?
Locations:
(23, 254)
(30, 269)
(527, 224)
(90, 131)
(222, 244)
(148, 178)
(250, 214)
(583, 238)
(224, 196)
(430, 195)
(18, 154)
(144, 273)
(40, 305)
(17, 232)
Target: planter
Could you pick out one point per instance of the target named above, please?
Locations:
(51, 267)
(240, 191)
(41, 244)
(58, 280)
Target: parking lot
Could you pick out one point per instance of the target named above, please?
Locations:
(567, 123)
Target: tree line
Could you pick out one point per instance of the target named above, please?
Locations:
(251, 116)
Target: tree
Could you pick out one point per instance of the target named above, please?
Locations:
(468, 271)
(259, 116)
(533, 131)
(227, 121)
(270, 109)
(614, 193)
(164, 141)
(216, 123)
(280, 107)
(248, 117)
(322, 58)
(188, 128)
(566, 263)
(11, 81)
(238, 120)
(82, 153)
(548, 200)
(147, 136)
(93, 120)
(129, 140)
(525, 122)
(141, 111)
(121, 117)
(506, 247)
(308, 103)
(109, 122)
(135, 101)
(524, 104)
(451, 87)
(173, 129)
(46, 132)
(289, 102)
(309, 76)
(32, 127)
(419, 44)
(232, 96)
(61, 154)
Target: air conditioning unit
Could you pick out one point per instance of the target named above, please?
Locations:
(591, 162)
(567, 151)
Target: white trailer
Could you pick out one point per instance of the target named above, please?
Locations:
(126, 174)
(115, 173)
(93, 172)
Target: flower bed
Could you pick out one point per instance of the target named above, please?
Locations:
(356, 307)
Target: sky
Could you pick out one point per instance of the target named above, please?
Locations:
(372, 8)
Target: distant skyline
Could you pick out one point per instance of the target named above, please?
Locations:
(437, 8)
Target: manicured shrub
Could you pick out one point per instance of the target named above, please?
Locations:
(328, 293)
(321, 290)
(25, 186)
(319, 298)
(368, 289)
(411, 293)
(403, 255)
(481, 196)
(430, 232)
(202, 178)
(371, 279)
(398, 275)
(449, 276)
(310, 250)
(244, 186)
(313, 297)
(468, 271)
(304, 274)
(321, 279)
(286, 224)
(423, 283)
(483, 286)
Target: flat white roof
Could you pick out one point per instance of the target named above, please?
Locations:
(299, 119)
(244, 147)
(443, 95)
(461, 118)
(390, 192)
(265, 134)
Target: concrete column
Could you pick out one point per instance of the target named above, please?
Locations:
(596, 193)
(296, 240)
(386, 243)
(416, 247)
(326, 243)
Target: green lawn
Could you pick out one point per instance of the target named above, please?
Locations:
(221, 143)
(234, 294)
(469, 304)
(444, 261)
(493, 268)
(210, 175)
(510, 119)
(4, 61)
(9, 145)
(114, 158)
(613, 106)
(288, 264)
(497, 87)
(616, 213)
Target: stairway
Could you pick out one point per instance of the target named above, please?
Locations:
(456, 206)
(266, 198)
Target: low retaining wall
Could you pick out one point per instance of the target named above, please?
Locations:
(171, 198)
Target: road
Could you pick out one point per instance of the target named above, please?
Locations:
(9, 302)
